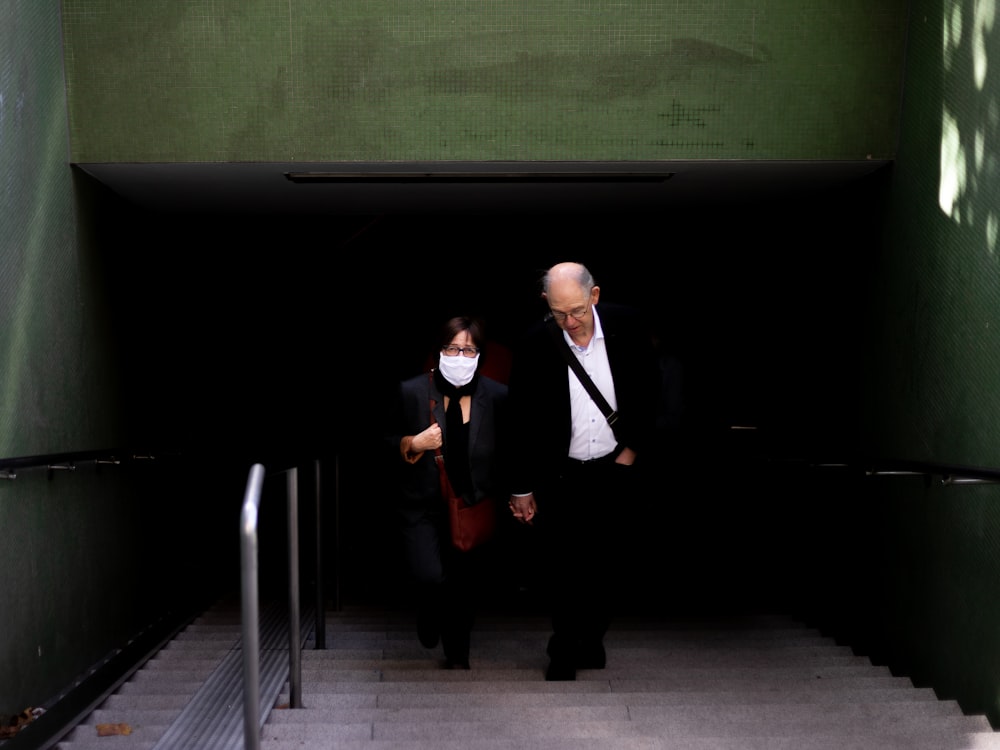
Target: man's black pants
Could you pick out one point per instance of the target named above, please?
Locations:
(583, 517)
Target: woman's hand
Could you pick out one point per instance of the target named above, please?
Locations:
(428, 440)
(412, 447)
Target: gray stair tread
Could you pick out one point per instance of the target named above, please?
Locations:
(841, 715)
(646, 639)
(136, 716)
(178, 674)
(924, 699)
(616, 662)
(123, 702)
(160, 687)
(804, 673)
(531, 681)
(85, 736)
(489, 686)
(172, 656)
(367, 634)
(167, 668)
(942, 729)
(873, 742)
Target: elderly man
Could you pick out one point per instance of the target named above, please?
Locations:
(573, 466)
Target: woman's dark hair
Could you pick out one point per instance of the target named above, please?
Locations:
(456, 325)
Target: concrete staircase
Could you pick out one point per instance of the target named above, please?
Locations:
(725, 683)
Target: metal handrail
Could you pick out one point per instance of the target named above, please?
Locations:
(320, 615)
(949, 474)
(251, 602)
(45, 460)
(69, 461)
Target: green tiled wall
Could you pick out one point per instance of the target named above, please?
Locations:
(54, 357)
(65, 541)
(940, 279)
(270, 80)
(934, 380)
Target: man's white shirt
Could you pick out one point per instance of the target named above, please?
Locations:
(592, 436)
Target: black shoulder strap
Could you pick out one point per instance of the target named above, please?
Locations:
(556, 332)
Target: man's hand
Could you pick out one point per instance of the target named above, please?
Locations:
(523, 508)
(626, 457)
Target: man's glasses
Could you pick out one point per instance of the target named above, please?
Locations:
(578, 314)
(453, 351)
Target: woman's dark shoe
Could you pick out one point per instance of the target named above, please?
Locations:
(560, 671)
(428, 630)
(455, 644)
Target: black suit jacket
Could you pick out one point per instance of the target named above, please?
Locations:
(418, 482)
(539, 396)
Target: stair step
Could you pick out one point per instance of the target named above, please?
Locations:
(804, 673)
(85, 736)
(840, 716)
(924, 699)
(160, 687)
(171, 656)
(617, 662)
(123, 702)
(136, 716)
(944, 729)
(873, 742)
(748, 683)
(531, 680)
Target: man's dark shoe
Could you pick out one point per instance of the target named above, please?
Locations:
(562, 664)
(560, 671)
(591, 656)
(428, 630)
(456, 663)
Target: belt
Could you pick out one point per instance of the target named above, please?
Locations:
(592, 462)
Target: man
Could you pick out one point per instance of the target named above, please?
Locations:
(572, 472)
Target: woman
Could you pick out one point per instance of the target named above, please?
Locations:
(468, 409)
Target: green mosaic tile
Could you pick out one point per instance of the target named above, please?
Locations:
(556, 79)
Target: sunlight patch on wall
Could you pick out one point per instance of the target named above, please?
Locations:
(952, 183)
(984, 12)
(967, 151)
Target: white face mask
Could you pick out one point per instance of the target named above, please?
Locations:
(457, 370)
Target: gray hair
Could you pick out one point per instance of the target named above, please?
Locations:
(581, 274)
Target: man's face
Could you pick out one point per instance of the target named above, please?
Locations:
(572, 308)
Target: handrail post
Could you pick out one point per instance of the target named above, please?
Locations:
(320, 597)
(294, 617)
(251, 609)
(336, 528)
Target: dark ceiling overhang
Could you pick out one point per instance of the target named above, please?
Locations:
(364, 188)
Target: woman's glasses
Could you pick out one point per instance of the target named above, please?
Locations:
(453, 351)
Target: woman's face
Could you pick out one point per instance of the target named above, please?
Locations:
(462, 339)
(459, 368)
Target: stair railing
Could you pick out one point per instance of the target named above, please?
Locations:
(251, 603)
(947, 474)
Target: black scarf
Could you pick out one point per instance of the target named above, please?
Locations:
(456, 448)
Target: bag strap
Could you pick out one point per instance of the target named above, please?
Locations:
(446, 489)
(556, 332)
(438, 455)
